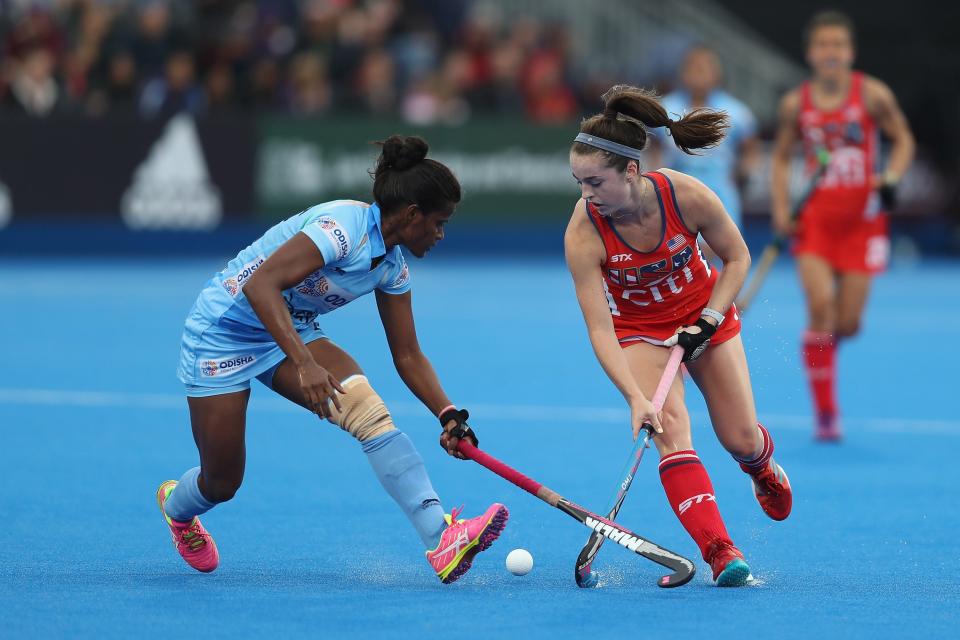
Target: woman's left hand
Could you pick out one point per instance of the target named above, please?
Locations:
(694, 338)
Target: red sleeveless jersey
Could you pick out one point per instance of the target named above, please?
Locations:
(651, 293)
(851, 137)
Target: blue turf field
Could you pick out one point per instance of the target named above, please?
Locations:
(92, 420)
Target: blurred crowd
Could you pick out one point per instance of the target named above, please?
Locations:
(430, 61)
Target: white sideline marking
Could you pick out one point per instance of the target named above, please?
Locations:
(529, 413)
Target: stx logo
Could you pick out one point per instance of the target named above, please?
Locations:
(621, 257)
(620, 537)
(689, 502)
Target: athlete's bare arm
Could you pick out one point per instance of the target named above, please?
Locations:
(396, 314)
(703, 212)
(782, 156)
(882, 106)
(585, 255)
(297, 258)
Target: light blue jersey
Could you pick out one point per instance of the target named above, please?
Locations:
(713, 167)
(225, 344)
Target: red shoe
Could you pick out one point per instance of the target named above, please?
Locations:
(772, 490)
(730, 569)
(828, 428)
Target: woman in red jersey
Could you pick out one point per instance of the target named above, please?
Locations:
(841, 235)
(642, 284)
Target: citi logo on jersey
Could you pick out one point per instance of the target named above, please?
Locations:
(655, 281)
(697, 499)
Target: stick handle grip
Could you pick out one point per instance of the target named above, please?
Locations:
(666, 381)
(509, 473)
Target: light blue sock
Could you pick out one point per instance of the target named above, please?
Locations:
(401, 472)
(186, 501)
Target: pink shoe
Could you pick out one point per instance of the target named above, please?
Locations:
(463, 539)
(190, 538)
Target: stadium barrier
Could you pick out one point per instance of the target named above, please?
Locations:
(185, 185)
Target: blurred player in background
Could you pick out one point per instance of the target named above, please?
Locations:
(723, 167)
(841, 234)
(257, 319)
(643, 284)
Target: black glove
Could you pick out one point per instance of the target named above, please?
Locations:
(695, 344)
(460, 430)
(888, 196)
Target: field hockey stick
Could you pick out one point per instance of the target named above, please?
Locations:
(681, 567)
(773, 250)
(582, 571)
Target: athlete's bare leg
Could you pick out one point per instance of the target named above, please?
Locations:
(723, 378)
(685, 480)
(286, 379)
(219, 426)
(819, 286)
(647, 363)
(852, 292)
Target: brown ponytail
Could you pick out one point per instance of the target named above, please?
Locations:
(627, 110)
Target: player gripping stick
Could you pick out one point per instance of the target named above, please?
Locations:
(257, 319)
(841, 237)
(643, 284)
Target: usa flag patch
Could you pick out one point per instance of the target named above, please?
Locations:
(675, 242)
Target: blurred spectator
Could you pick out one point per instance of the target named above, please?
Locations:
(36, 29)
(722, 167)
(220, 90)
(374, 89)
(264, 85)
(431, 60)
(118, 92)
(547, 92)
(176, 91)
(154, 38)
(506, 63)
(34, 91)
(438, 97)
(308, 92)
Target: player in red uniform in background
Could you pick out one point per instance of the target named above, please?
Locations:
(841, 235)
(643, 284)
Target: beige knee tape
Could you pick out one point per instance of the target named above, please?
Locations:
(362, 414)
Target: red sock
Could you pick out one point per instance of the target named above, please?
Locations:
(690, 493)
(819, 355)
(758, 462)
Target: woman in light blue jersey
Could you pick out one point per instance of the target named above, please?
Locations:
(721, 167)
(257, 319)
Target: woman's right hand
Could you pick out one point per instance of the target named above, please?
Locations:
(643, 412)
(319, 386)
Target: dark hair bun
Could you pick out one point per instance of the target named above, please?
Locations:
(402, 152)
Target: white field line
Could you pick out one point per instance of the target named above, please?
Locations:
(505, 412)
